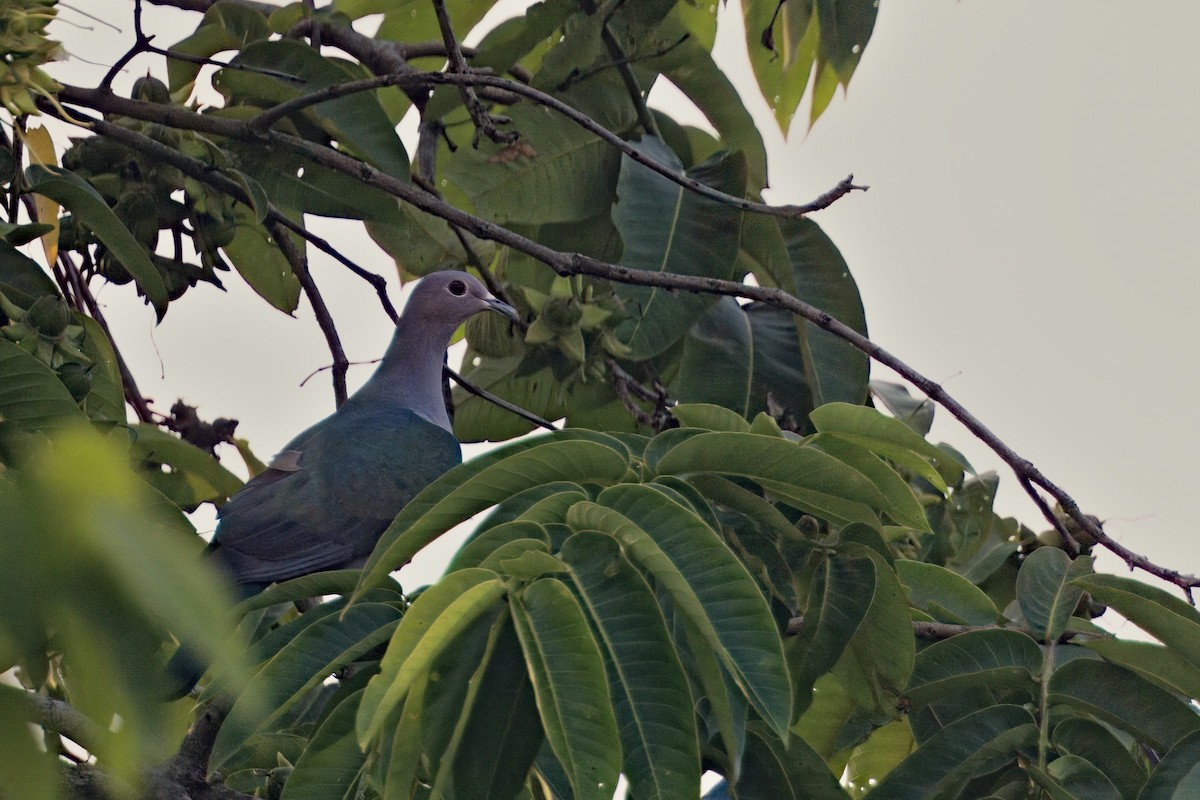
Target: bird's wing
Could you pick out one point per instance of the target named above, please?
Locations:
(325, 501)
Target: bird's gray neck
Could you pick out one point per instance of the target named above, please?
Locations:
(410, 375)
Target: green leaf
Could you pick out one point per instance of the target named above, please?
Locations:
(1177, 776)
(916, 414)
(798, 475)
(569, 682)
(432, 623)
(480, 547)
(105, 401)
(709, 417)
(977, 744)
(889, 438)
(22, 279)
(227, 25)
(782, 71)
(1096, 743)
(78, 196)
(899, 502)
(879, 660)
(502, 732)
(944, 595)
(846, 27)
(716, 367)
(1045, 592)
(840, 595)
(1074, 778)
(705, 581)
(997, 660)
(485, 481)
(300, 666)
(872, 760)
(559, 172)
(32, 398)
(836, 370)
(669, 229)
(153, 443)
(332, 762)
(1156, 662)
(788, 768)
(357, 122)
(657, 725)
(260, 261)
(1122, 698)
(691, 68)
(1171, 620)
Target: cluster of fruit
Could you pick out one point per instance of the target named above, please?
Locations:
(151, 197)
(23, 49)
(46, 330)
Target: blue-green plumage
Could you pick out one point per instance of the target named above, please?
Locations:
(333, 490)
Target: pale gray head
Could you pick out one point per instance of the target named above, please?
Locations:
(452, 297)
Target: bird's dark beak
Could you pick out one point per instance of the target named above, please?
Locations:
(503, 308)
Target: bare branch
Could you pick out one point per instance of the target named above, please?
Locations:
(485, 121)
(499, 401)
(577, 264)
(299, 262)
(409, 79)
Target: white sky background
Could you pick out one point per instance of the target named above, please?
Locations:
(1028, 241)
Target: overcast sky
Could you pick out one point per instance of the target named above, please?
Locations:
(1028, 241)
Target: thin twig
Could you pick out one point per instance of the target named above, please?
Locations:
(410, 79)
(499, 401)
(299, 262)
(485, 121)
(1068, 541)
(623, 67)
(129, 387)
(567, 264)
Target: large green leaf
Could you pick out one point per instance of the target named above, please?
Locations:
(717, 363)
(263, 265)
(690, 66)
(879, 660)
(32, 398)
(797, 475)
(1122, 698)
(1169, 619)
(891, 439)
(437, 617)
(567, 671)
(188, 462)
(299, 667)
(1177, 776)
(944, 595)
(667, 228)
(501, 735)
(649, 688)
(357, 122)
(782, 71)
(105, 400)
(840, 595)
(77, 195)
(994, 659)
(977, 744)
(786, 769)
(1097, 744)
(227, 25)
(1045, 592)
(332, 763)
(836, 370)
(22, 279)
(1073, 778)
(899, 502)
(705, 581)
(485, 481)
(559, 172)
(1158, 663)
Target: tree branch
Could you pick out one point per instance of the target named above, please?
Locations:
(485, 121)
(409, 79)
(567, 264)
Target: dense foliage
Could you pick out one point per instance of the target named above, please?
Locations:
(738, 556)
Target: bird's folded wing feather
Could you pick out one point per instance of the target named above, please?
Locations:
(327, 498)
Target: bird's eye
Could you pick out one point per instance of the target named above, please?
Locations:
(457, 288)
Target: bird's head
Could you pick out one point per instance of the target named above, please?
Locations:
(454, 296)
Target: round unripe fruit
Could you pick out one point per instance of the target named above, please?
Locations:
(49, 315)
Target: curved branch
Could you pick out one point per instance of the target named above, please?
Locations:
(410, 78)
(567, 264)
